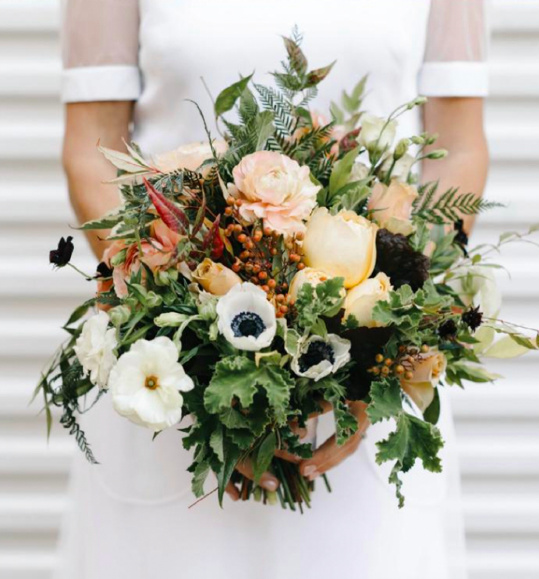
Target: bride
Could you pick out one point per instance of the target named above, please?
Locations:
(130, 65)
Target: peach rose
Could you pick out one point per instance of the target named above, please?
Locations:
(391, 206)
(188, 157)
(215, 278)
(275, 189)
(157, 251)
(427, 372)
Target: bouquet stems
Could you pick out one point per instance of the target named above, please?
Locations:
(294, 490)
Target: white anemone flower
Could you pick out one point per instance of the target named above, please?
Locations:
(318, 357)
(95, 348)
(147, 382)
(246, 318)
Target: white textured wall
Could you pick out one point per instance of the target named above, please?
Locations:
(498, 426)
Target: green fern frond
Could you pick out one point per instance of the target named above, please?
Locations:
(450, 206)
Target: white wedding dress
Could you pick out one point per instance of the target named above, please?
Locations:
(129, 516)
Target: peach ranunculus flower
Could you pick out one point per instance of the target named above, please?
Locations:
(427, 372)
(274, 189)
(215, 278)
(189, 157)
(391, 206)
(157, 251)
(342, 245)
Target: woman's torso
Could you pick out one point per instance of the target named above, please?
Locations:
(185, 41)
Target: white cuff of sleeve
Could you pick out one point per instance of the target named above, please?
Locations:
(453, 79)
(101, 83)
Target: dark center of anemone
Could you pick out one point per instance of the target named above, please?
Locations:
(317, 352)
(247, 324)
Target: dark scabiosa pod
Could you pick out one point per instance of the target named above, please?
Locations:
(61, 256)
(461, 238)
(473, 318)
(397, 259)
(448, 330)
(103, 270)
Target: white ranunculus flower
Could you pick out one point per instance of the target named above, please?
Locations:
(246, 318)
(318, 357)
(477, 286)
(375, 133)
(95, 348)
(147, 382)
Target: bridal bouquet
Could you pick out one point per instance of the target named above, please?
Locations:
(293, 265)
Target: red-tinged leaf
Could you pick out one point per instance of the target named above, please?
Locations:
(210, 235)
(201, 213)
(172, 216)
(318, 75)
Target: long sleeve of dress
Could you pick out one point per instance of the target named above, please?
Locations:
(455, 56)
(100, 46)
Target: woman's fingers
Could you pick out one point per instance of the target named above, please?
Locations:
(232, 491)
(285, 455)
(267, 480)
(330, 454)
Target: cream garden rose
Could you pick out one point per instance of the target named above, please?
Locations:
(189, 156)
(275, 189)
(215, 278)
(427, 372)
(342, 245)
(360, 300)
(308, 275)
(391, 206)
(376, 133)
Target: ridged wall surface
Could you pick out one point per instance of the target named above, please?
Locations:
(497, 425)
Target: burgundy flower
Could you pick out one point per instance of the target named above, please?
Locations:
(60, 257)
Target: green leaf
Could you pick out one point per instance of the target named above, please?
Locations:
(352, 195)
(79, 312)
(231, 456)
(265, 129)
(432, 413)
(264, 455)
(200, 475)
(228, 97)
(324, 300)
(216, 443)
(386, 401)
(413, 439)
(108, 221)
(341, 172)
(238, 378)
(506, 348)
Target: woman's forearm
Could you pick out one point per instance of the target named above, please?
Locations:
(459, 122)
(86, 169)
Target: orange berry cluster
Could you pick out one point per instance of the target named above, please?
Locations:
(402, 367)
(259, 246)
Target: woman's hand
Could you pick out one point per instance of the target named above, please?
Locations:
(324, 458)
(330, 454)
